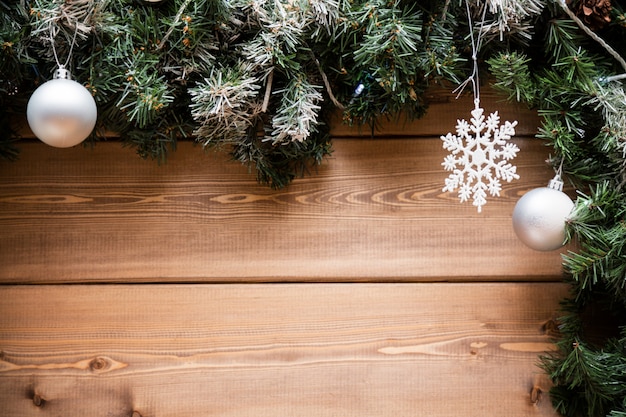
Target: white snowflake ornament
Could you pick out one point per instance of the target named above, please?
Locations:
(479, 155)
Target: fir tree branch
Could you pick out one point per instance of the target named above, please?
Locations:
(513, 76)
(595, 37)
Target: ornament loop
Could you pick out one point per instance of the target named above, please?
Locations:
(62, 73)
(556, 183)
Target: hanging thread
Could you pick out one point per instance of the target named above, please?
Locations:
(54, 51)
(476, 44)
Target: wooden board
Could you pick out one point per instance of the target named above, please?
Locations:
(373, 212)
(406, 346)
(276, 350)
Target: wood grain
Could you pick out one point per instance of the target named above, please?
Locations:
(373, 212)
(276, 350)
(406, 346)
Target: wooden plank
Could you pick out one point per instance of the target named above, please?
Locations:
(276, 350)
(373, 212)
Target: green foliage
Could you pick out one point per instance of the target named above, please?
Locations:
(598, 224)
(390, 51)
(584, 122)
(513, 76)
(589, 367)
(249, 77)
(594, 378)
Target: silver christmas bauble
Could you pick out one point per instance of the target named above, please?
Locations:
(540, 216)
(61, 112)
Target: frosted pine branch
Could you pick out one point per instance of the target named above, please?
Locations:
(222, 102)
(296, 117)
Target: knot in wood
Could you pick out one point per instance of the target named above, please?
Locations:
(98, 364)
(551, 328)
(535, 395)
(38, 400)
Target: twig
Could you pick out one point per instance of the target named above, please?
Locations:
(268, 91)
(444, 11)
(327, 84)
(174, 23)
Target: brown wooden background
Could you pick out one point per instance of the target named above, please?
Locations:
(133, 289)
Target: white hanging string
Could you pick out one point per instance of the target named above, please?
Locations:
(54, 51)
(476, 44)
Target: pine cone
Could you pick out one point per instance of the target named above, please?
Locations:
(596, 14)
